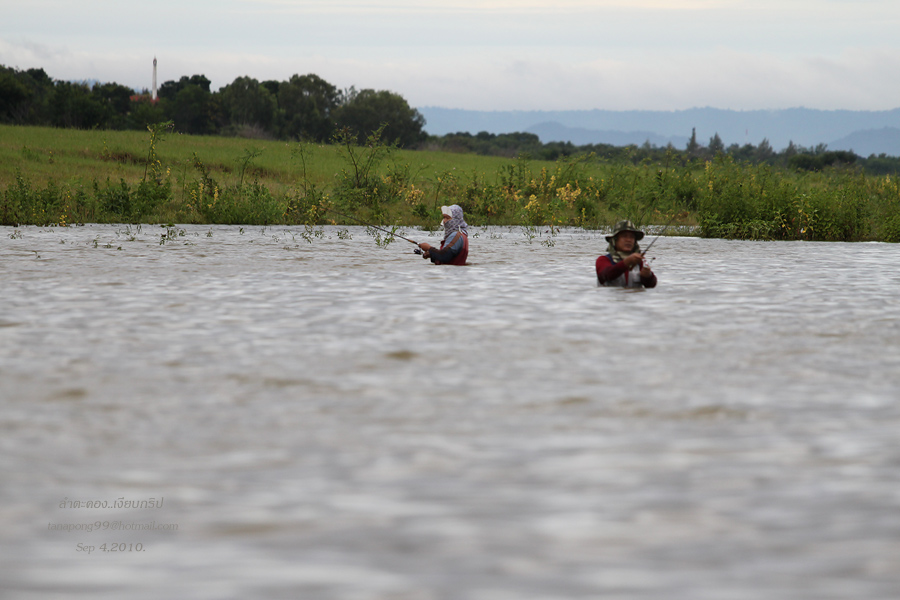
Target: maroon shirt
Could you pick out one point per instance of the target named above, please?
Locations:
(608, 272)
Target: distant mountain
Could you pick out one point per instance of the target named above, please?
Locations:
(870, 141)
(803, 126)
(554, 132)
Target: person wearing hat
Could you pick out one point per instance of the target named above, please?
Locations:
(624, 266)
(455, 246)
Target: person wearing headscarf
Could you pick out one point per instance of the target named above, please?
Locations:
(455, 246)
(624, 265)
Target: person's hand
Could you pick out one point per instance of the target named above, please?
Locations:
(646, 272)
(632, 260)
(425, 246)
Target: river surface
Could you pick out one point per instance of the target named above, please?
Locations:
(269, 417)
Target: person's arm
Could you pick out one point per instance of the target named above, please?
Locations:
(648, 281)
(446, 254)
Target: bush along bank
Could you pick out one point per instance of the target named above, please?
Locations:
(378, 183)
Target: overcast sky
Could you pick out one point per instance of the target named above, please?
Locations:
(486, 54)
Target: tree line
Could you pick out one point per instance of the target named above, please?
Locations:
(793, 157)
(304, 106)
(310, 108)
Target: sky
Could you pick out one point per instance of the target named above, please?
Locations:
(486, 54)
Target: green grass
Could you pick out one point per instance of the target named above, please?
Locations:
(59, 177)
(73, 156)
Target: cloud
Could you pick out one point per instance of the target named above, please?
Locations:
(727, 79)
(529, 6)
(490, 54)
(513, 79)
(771, 8)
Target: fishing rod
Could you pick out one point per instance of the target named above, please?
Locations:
(373, 226)
(647, 249)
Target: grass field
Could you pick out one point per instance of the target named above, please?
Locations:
(61, 177)
(69, 156)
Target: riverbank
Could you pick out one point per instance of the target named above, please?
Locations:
(61, 177)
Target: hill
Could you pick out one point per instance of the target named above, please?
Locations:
(870, 141)
(868, 131)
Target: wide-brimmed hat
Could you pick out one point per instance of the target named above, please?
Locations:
(625, 226)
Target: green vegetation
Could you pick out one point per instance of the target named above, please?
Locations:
(304, 106)
(65, 176)
(309, 108)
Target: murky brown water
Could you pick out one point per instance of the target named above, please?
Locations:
(336, 420)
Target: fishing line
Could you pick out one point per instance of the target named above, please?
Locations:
(647, 249)
(373, 226)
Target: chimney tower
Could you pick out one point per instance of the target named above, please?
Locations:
(153, 93)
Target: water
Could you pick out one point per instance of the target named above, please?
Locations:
(336, 420)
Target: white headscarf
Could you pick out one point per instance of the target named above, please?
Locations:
(456, 222)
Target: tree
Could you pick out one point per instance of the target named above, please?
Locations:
(818, 161)
(73, 106)
(365, 111)
(307, 103)
(145, 113)
(14, 95)
(188, 103)
(716, 146)
(192, 110)
(693, 148)
(740, 153)
(248, 104)
(764, 151)
(25, 96)
(116, 101)
(272, 85)
(791, 150)
(170, 89)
